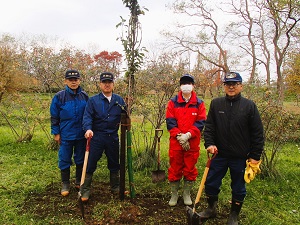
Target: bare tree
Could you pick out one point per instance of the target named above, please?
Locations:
(266, 53)
(257, 27)
(269, 25)
(207, 42)
(243, 9)
(285, 17)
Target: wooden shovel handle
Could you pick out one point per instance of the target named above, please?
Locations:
(201, 185)
(204, 177)
(86, 157)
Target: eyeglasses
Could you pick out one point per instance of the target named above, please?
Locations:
(73, 79)
(230, 75)
(231, 84)
(107, 82)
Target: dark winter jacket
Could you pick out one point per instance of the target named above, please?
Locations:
(235, 127)
(182, 117)
(66, 112)
(103, 116)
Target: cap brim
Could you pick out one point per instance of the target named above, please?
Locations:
(72, 77)
(107, 79)
(232, 80)
(186, 80)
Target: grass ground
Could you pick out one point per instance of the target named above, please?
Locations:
(30, 184)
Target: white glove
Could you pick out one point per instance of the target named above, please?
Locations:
(186, 146)
(182, 138)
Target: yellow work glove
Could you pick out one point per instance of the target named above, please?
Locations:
(251, 170)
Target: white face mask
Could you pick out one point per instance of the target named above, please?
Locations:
(186, 88)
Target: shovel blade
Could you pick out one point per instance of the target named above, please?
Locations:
(193, 218)
(158, 176)
(80, 204)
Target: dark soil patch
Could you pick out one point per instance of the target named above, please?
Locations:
(104, 208)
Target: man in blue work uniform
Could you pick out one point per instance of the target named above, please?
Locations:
(66, 112)
(101, 123)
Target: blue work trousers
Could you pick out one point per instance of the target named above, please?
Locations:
(67, 149)
(107, 143)
(218, 170)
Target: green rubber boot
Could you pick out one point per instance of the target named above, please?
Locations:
(174, 193)
(187, 192)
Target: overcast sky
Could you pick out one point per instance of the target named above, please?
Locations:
(81, 23)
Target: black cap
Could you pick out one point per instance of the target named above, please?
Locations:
(186, 79)
(72, 74)
(106, 76)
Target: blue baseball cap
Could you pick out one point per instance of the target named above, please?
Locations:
(232, 77)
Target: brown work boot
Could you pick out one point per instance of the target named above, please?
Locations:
(211, 210)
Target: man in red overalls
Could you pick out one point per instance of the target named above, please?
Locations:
(185, 119)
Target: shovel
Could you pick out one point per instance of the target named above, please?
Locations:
(193, 218)
(86, 156)
(158, 175)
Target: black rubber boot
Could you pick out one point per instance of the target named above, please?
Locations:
(234, 212)
(211, 210)
(114, 182)
(78, 176)
(65, 178)
(85, 188)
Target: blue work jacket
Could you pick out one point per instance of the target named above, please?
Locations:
(103, 116)
(66, 112)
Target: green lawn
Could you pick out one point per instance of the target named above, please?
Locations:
(29, 168)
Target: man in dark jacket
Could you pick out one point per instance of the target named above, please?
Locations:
(66, 111)
(101, 122)
(233, 129)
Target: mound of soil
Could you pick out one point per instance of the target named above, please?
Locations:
(146, 208)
